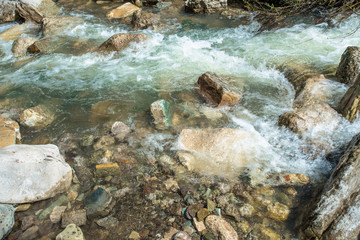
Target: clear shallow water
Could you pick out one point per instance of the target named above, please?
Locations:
(169, 64)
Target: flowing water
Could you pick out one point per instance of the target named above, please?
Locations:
(90, 91)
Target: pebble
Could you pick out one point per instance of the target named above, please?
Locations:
(108, 222)
(202, 214)
(134, 235)
(55, 215)
(278, 211)
(247, 210)
(71, 232)
(23, 207)
(182, 236)
(210, 205)
(30, 233)
(77, 217)
(199, 226)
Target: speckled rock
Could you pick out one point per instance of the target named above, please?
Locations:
(77, 217)
(220, 228)
(7, 219)
(32, 172)
(71, 232)
(143, 20)
(108, 222)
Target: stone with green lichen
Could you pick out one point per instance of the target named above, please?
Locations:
(160, 111)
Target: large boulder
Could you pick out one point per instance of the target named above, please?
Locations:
(349, 105)
(216, 90)
(36, 10)
(120, 41)
(319, 90)
(122, 11)
(57, 24)
(7, 219)
(320, 117)
(205, 6)
(9, 132)
(37, 117)
(349, 66)
(32, 173)
(143, 20)
(16, 31)
(20, 45)
(221, 151)
(336, 213)
(7, 11)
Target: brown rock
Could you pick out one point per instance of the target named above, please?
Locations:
(45, 45)
(297, 179)
(205, 6)
(220, 228)
(30, 233)
(36, 10)
(58, 24)
(278, 211)
(9, 132)
(56, 213)
(108, 169)
(143, 20)
(21, 44)
(122, 11)
(215, 90)
(349, 105)
(77, 217)
(120, 41)
(307, 118)
(37, 117)
(17, 30)
(8, 11)
(349, 66)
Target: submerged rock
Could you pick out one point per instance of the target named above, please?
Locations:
(160, 111)
(31, 173)
(37, 117)
(349, 105)
(36, 10)
(108, 222)
(221, 229)
(120, 130)
(46, 45)
(181, 236)
(21, 44)
(122, 11)
(221, 151)
(77, 217)
(143, 20)
(71, 232)
(62, 200)
(97, 201)
(205, 6)
(17, 30)
(108, 169)
(336, 213)
(278, 211)
(120, 41)
(58, 24)
(7, 219)
(7, 11)
(216, 91)
(349, 66)
(9, 132)
(320, 117)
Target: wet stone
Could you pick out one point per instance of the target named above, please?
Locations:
(271, 234)
(108, 169)
(108, 222)
(62, 200)
(210, 205)
(278, 211)
(77, 217)
(7, 219)
(134, 235)
(120, 130)
(87, 140)
(23, 207)
(297, 179)
(55, 215)
(30, 233)
(97, 201)
(220, 228)
(37, 117)
(160, 111)
(202, 214)
(181, 236)
(104, 142)
(192, 210)
(199, 226)
(28, 221)
(247, 210)
(46, 227)
(71, 232)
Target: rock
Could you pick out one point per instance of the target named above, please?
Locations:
(210, 205)
(270, 234)
(16, 31)
(143, 20)
(7, 11)
(335, 214)
(297, 179)
(37, 117)
(77, 217)
(349, 105)
(205, 6)
(28, 221)
(192, 210)
(108, 169)
(205, 150)
(71, 232)
(199, 226)
(320, 117)
(220, 228)
(211, 113)
(30, 233)
(182, 236)
(45, 45)
(58, 24)
(108, 222)
(160, 111)
(9, 132)
(104, 142)
(7, 219)
(349, 66)
(120, 130)
(62, 200)
(97, 201)
(21, 44)
(56, 213)
(202, 214)
(120, 41)
(171, 184)
(320, 90)
(36, 10)
(134, 235)
(32, 173)
(122, 11)
(23, 207)
(216, 91)
(247, 210)
(278, 211)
